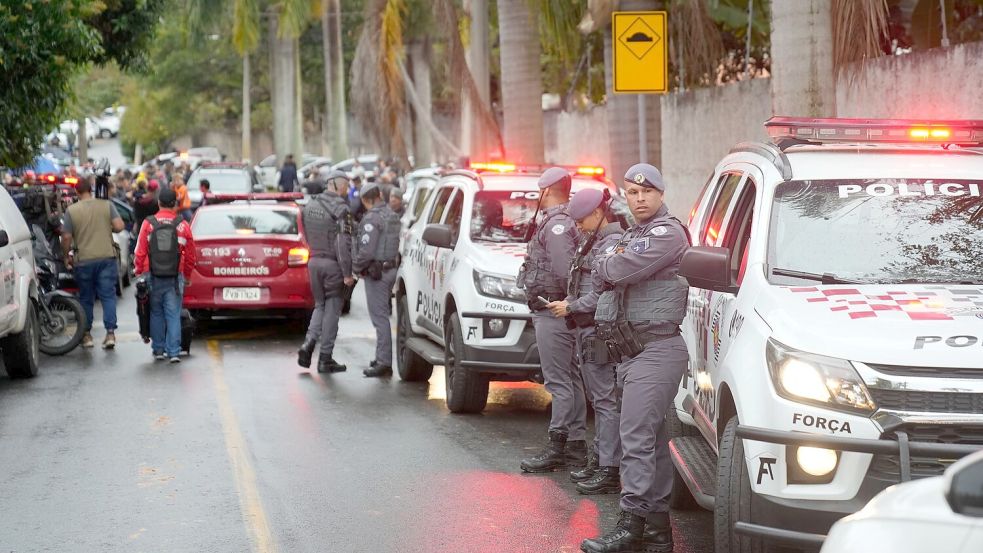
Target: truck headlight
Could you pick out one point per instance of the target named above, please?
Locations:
(817, 380)
(498, 286)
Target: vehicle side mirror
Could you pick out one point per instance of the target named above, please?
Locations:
(964, 486)
(708, 268)
(440, 236)
(4, 239)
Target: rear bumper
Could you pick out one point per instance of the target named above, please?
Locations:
(805, 522)
(290, 290)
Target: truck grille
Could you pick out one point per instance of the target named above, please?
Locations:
(932, 372)
(887, 467)
(928, 402)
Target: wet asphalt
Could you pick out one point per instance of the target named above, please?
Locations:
(238, 449)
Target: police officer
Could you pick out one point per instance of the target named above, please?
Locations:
(640, 317)
(328, 224)
(544, 276)
(590, 209)
(376, 259)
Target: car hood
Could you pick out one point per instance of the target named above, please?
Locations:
(911, 325)
(501, 259)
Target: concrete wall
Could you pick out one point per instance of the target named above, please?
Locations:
(574, 138)
(937, 84)
(700, 127)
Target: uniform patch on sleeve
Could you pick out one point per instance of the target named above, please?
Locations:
(558, 229)
(365, 238)
(368, 227)
(640, 245)
(659, 231)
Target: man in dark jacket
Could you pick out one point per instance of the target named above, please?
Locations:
(288, 175)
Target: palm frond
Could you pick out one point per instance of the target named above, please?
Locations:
(697, 47)
(295, 16)
(558, 32)
(858, 28)
(204, 17)
(245, 25)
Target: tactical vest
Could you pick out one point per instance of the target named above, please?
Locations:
(323, 220)
(580, 280)
(536, 276)
(387, 248)
(92, 229)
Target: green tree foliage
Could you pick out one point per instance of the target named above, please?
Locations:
(43, 44)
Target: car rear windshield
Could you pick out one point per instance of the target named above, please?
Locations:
(878, 230)
(245, 221)
(222, 180)
(502, 215)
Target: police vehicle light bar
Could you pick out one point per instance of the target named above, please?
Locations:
(255, 196)
(505, 167)
(908, 131)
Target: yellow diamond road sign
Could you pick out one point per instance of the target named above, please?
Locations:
(640, 61)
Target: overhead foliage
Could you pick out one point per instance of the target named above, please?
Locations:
(696, 47)
(859, 28)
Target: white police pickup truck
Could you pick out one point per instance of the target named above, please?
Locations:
(835, 324)
(20, 330)
(456, 300)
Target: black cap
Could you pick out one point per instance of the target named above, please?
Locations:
(167, 197)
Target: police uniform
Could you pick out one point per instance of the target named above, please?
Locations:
(328, 226)
(640, 317)
(545, 274)
(377, 258)
(596, 366)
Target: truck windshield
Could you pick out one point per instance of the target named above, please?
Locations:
(502, 215)
(878, 230)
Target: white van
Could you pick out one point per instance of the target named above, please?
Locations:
(835, 323)
(20, 331)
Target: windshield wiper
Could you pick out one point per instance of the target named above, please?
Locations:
(825, 278)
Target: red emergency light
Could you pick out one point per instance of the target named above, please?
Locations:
(506, 167)
(897, 131)
(254, 196)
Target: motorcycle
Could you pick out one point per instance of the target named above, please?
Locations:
(63, 320)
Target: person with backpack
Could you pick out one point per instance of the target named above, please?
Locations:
(166, 250)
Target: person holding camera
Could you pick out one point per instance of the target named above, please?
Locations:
(590, 208)
(376, 258)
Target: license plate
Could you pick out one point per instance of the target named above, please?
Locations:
(241, 294)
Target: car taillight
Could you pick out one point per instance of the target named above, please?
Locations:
(297, 257)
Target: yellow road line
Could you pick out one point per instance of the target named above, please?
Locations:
(247, 488)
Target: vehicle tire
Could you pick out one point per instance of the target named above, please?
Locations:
(681, 498)
(21, 351)
(734, 495)
(411, 367)
(467, 391)
(105, 133)
(69, 311)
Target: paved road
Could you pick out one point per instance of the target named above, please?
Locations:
(107, 148)
(237, 449)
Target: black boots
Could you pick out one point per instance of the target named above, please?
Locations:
(305, 353)
(377, 370)
(588, 471)
(657, 537)
(553, 458)
(329, 365)
(605, 480)
(577, 453)
(634, 534)
(626, 537)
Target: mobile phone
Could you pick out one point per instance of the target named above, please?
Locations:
(542, 299)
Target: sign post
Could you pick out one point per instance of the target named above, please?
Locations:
(641, 65)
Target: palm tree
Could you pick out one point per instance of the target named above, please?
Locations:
(473, 138)
(334, 80)
(522, 81)
(245, 37)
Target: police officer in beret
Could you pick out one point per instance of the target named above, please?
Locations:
(590, 208)
(639, 316)
(328, 225)
(544, 276)
(376, 259)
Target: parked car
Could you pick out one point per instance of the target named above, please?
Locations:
(20, 331)
(224, 178)
(418, 186)
(72, 126)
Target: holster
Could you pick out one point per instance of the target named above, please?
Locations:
(621, 339)
(374, 270)
(595, 351)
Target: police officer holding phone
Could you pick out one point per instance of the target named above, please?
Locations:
(590, 208)
(639, 316)
(544, 276)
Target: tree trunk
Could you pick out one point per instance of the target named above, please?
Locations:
(327, 140)
(283, 77)
(419, 56)
(622, 111)
(247, 124)
(335, 80)
(82, 136)
(522, 82)
(474, 136)
(802, 81)
(299, 147)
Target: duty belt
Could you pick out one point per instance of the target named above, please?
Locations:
(625, 343)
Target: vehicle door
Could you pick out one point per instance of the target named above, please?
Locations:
(8, 277)
(266, 171)
(421, 277)
(708, 227)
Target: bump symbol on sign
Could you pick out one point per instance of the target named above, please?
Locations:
(639, 38)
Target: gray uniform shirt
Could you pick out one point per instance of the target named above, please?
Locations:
(370, 231)
(558, 239)
(587, 303)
